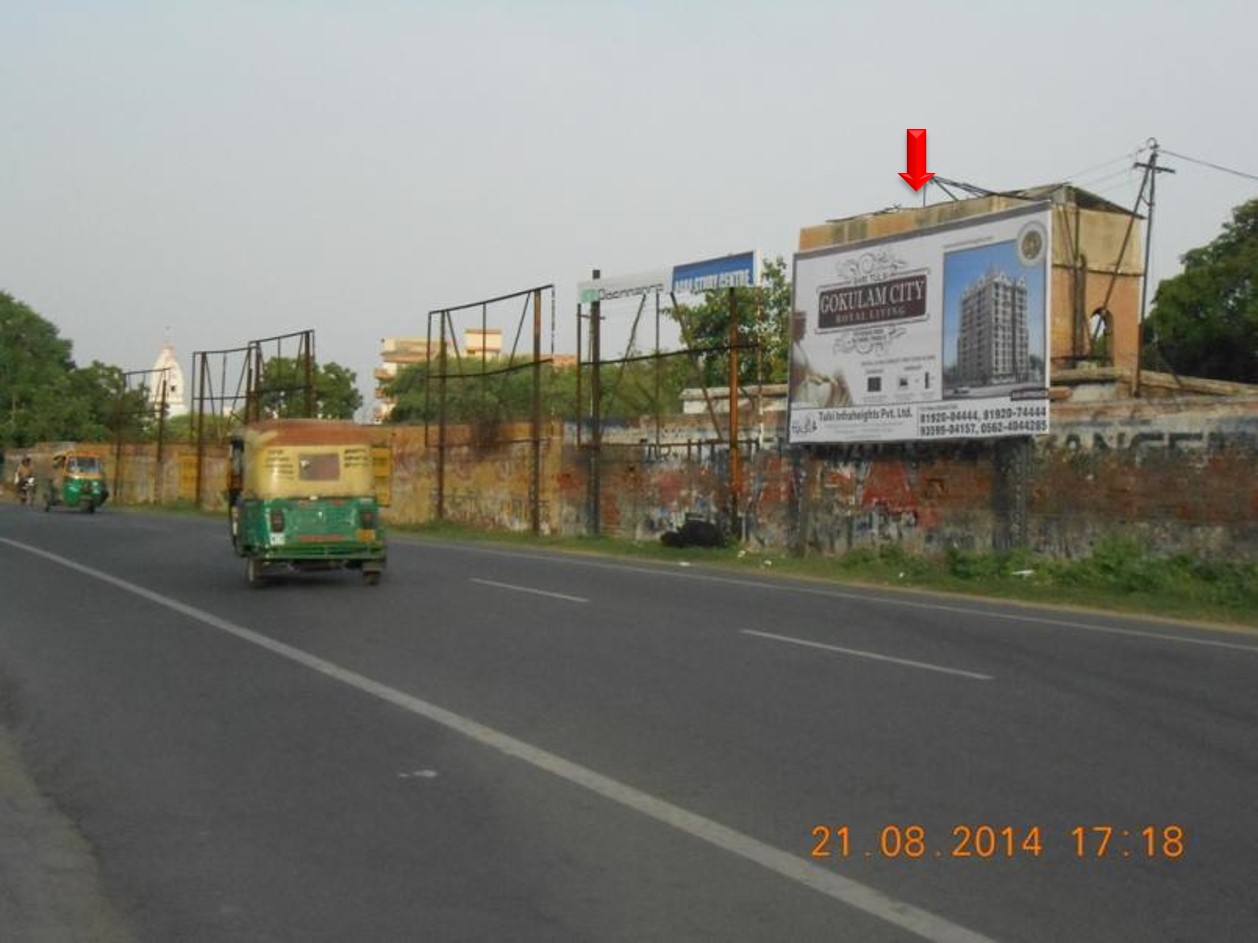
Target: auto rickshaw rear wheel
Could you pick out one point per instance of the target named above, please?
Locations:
(253, 571)
(371, 577)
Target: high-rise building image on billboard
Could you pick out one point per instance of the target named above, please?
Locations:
(992, 343)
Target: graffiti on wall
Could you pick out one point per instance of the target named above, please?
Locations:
(1144, 435)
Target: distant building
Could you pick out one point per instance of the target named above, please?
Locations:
(477, 342)
(172, 379)
(397, 353)
(992, 342)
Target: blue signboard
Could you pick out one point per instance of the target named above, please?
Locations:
(728, 271)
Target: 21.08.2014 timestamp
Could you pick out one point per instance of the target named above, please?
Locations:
(984, 842)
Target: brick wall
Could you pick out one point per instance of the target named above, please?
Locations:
(1177, 474)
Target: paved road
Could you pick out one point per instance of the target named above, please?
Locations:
(499, 744)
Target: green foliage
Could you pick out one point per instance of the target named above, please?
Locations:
(44, 397)
(764, 317)
(629, 390)
(967, 565)
(476, 393)
(1205, 320)
(34, 362)
(1116, 563)
(282, 390)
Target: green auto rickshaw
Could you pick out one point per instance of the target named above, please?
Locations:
(301, 496)
(77, 481)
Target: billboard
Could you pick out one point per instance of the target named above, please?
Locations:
(941, 333)
(727, 271)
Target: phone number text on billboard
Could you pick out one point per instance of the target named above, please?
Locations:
(910, 421)
(970, 422)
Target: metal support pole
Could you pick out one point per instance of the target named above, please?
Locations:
(734, 470)
(162, 406)
(441, 425)
(1153, 170)
(311, 401)
(580, 404)
(535, 480)
(122, 393)
(596, 415)
(200, 430)
(659, 364)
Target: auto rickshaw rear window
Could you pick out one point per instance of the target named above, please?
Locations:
(319, 466)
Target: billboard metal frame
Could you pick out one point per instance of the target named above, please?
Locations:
(447, 339)
(727, 272)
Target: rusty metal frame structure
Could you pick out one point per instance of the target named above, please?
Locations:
(158, 409)
(447, 338)
(595, 363)
(258, 355)
(244, 403)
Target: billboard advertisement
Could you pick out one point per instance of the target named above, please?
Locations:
(941, 333)
(726, 271)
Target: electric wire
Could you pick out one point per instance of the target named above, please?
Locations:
(1092, 182)
(1122, 158)
(1206, 163)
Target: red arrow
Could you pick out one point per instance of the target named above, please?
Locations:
(915, 148)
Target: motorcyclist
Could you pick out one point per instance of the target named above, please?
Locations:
(24, 477)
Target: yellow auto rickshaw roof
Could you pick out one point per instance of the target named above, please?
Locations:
(279, 452)
(80, 451)
(269, 433)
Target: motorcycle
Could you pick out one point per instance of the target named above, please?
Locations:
(26, 489)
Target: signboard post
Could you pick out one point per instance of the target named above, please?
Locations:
(728, 272)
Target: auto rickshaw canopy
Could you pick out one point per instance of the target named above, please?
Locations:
(78, 463)
(305, 458)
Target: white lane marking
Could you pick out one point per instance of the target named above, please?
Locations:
(860, 896)
(419, 774)
(885, 600)
(529, 589)
(873, 655)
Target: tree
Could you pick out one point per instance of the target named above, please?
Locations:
(494, 395)
(479, 394)
(44, 397)
(764, 321)
(282, 390)
(34, 360)
(1205, 320)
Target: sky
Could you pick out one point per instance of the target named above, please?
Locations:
(215, 172)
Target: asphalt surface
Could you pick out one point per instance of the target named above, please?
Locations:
(500, 744)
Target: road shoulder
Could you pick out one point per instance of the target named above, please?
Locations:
(49, 886)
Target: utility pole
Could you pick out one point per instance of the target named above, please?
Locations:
(596, 415)
(1151, 170)
(734, 476)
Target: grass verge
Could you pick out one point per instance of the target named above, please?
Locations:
(1120, 575)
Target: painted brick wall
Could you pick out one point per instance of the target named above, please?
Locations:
(1177, 474)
